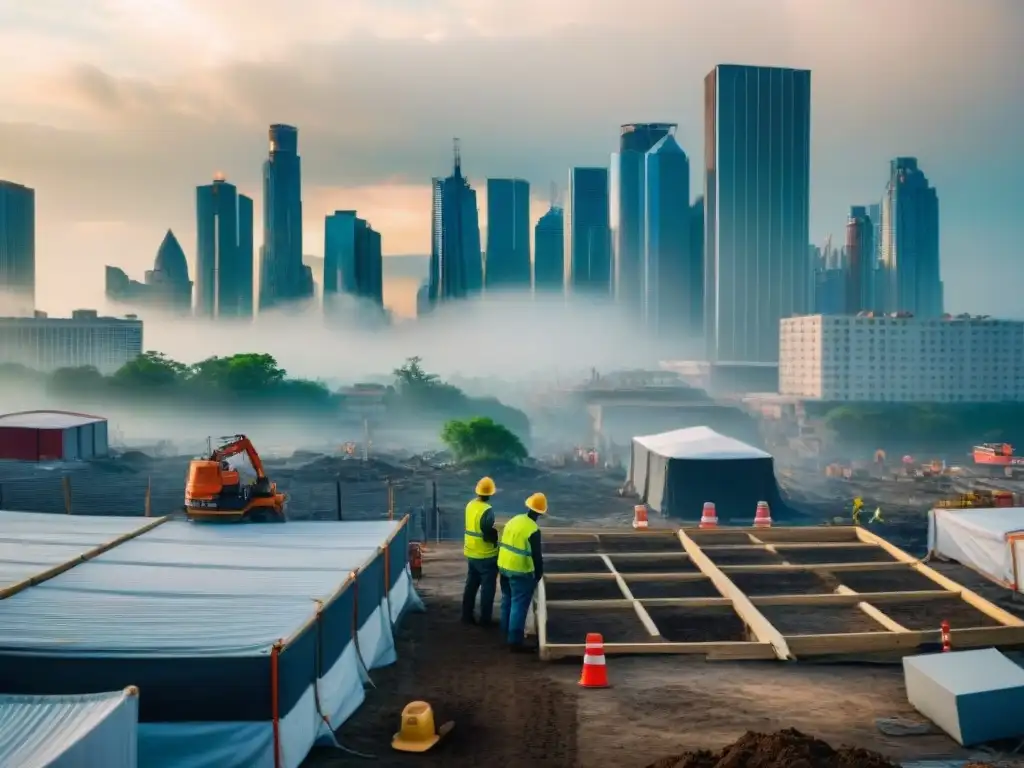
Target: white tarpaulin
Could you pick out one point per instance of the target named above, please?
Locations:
(982, 539)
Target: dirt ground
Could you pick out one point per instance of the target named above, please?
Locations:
(516, 710)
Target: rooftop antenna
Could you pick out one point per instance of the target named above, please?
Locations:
(457, 149)
(554, 194)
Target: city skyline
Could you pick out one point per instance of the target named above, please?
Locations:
(97, 199)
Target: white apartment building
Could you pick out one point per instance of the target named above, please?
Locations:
(45, 344)
(874, 358)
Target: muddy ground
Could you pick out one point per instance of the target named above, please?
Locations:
(512, 710)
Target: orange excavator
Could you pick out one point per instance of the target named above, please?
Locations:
(214, 491)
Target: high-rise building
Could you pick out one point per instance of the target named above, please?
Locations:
(352, 261)
(697, 255)
(456, 263)
(167, 285)
(17, 250)
(224, 255)
(282, 276)
(549, 252)
(85, 339)
(627, 206)
(910, 241)
(588, 256)
(860, 260)
(672, 279)
(757, 194)
(507, 265)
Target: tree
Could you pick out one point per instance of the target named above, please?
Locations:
(481, 438)
(150, 370)
(82, 380)
(249, 373)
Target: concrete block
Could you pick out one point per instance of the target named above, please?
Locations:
(974, 696)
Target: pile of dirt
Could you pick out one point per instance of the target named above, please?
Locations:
(784, 749)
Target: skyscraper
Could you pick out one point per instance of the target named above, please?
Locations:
(588, 257)
(456, 264)
(697, 257)
(508, 234)
(861, 262)
(352, 260)
(910, 241)
(672, 279)
(549, 252)
(17, 250)
(282, 276)
(757, 189)
(224, 252)
(628, 207)
(167, 284)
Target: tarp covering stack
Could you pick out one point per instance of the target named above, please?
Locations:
(676, 472)
(70, 731)
(990, 541)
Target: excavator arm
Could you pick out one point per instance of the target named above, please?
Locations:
(236, 444)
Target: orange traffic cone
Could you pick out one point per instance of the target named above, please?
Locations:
(763, 515)
(640, 516)
(946, 645)
(595, 672)
(709, 518)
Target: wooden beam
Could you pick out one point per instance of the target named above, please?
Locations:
(641, 612)
(867, 608)
(555, 578)
(972, 598)
(761, 544)
(789, 534)
(825, 599)
(814, 567)
(732, 651)
(618, 555)
(885, 642)
(541, 617)
(759, 625)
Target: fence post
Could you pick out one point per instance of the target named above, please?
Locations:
(391, 499)
(437, 514)
(66, 482)
(337, 497)
(149, 496)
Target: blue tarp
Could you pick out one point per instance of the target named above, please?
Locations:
(69, 731)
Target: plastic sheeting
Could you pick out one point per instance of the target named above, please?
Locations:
(69, 731)
(32, 543)
(698, 443)
(981, 539)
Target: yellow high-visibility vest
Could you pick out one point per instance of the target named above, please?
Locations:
(474, 545)
(515, 557)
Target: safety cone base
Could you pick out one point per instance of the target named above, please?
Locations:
(595, 670)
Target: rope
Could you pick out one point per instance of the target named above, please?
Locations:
(355, 629)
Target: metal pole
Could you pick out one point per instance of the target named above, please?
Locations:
(437, 513)
(337, 497)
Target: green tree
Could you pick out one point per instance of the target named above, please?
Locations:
(249, 373)
(150, 370)
(83, 380)
(482, 438)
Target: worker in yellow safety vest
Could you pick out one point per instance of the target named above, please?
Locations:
(481, 550)
(521, 566)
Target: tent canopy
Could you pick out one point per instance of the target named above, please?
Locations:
(676, 472)
(986, 540)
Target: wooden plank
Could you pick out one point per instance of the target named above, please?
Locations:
(558, 577)
(884, 642)
(617, 555)
(759, 625)
(870, 610)
(781, 533)
(641, 612)
(772, 546)
(555, 578)
(541, 617)
(831, 567)
(826, 599)
(972, 598)
(611, 604)
(733, 651)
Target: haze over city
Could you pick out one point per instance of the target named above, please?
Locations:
(115, 111)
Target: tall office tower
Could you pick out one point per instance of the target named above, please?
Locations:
(672, 280)
(224, 255)
(456, 264)
(167, 285)
(910, 241)
(352, 260)
(17, 250)
(757, 193)
(628, 208)
(549, 252)
(282, 277)
(588, 256)
(697, 255)
(874, 211)
(508, 235)
(860, 258)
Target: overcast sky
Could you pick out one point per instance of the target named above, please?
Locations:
(114, 110)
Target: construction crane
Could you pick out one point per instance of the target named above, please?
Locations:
(215, 492)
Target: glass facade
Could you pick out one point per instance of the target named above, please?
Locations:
(757, 199)
(282, 277)
(588, 256)
(549, 252)
(507, 264)
(17, 249)
(46, 344)
(224, 252)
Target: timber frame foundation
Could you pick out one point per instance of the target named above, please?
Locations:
(578, 558)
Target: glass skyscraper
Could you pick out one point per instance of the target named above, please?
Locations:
(508, 234)
(224, 252)
(588, 255)
(282, 275)
(549, 252)
(456, 264)
(17, 250)
(757, 198)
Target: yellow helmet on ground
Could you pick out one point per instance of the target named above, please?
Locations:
(417, 732)
(538, 503)
(485, 487)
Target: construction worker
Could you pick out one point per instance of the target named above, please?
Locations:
(521, 566)
(480, 546)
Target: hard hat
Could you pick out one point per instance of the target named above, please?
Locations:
(538, 503)
(485, 487)
(417, 732)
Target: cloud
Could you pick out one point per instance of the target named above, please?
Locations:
(141, 101)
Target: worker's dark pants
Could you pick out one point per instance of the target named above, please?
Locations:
(482, 577)
(516, 595)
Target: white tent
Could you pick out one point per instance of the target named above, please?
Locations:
(990, 541)
(69, 731)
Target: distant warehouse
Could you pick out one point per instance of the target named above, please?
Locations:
(52, 436)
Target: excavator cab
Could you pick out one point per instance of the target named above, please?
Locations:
(215, 491)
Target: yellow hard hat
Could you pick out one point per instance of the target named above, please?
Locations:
(485, 487)
(538, 503)
(417, 732)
